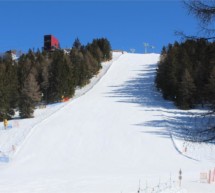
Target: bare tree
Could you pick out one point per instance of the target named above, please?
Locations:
(204, 11)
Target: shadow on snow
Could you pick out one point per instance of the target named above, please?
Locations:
(140, 90)
(187, 125)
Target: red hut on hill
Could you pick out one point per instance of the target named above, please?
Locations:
(51, 43)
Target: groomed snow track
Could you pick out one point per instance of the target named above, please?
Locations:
(112, 139)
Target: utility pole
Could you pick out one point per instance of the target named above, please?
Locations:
(145, 46)
(132, 50)
(153, 47)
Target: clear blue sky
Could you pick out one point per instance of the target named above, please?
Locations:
(127, 24)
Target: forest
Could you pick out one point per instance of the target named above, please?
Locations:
(186, 73)
(48, 77)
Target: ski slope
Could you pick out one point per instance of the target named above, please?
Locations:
(112, 139)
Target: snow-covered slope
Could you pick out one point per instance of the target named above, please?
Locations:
(11, 139)
(112, 139)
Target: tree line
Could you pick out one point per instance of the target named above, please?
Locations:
(186, 73)
(48, 76)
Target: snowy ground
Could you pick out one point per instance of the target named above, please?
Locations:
(19, 129)
(120, 136)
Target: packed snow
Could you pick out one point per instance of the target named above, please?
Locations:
(117, 135)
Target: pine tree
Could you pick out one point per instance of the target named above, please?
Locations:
(166, 78)
(77, 59)
(96, 52)
(3, 106)
(77, 44)
(105, 47)
(8, 88)
(29, 96)
(210, 88)
(61, 77)
(43, 74)
(186, 91)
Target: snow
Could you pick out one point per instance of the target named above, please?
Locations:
(116, 135)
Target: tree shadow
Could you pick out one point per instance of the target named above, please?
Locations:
(141, 90)
(187, 125)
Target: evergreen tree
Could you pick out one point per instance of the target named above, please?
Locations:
(61, 77)
(96, 52)
(166, 74)
(210, 89)
(77, 44)
(48, 74)
(197, 57)
(30, 94)
(77, 60)
(105, 47)
(186, 91)
(43, 74)
(8, 88)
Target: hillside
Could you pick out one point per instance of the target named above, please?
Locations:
(114, 138)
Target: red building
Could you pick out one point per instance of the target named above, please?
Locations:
(51, 43)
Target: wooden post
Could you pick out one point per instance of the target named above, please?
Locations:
(209, 177)
(180, 177)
